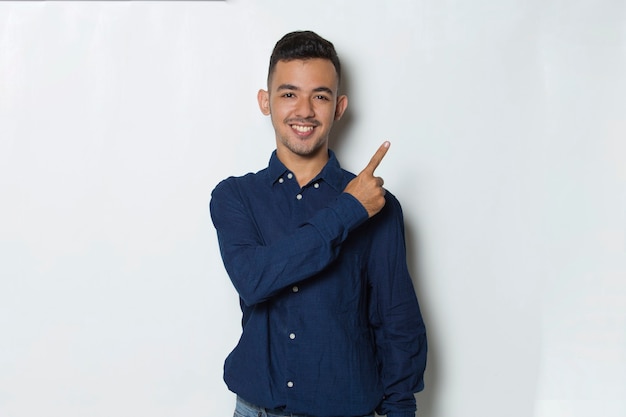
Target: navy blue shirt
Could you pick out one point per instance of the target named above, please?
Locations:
(331, 324)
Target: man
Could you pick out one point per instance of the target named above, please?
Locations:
(331, 324)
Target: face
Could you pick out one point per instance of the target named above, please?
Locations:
(303, 103)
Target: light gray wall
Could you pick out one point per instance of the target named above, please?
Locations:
(508, 128)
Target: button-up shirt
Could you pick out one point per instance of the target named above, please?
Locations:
(331, 324)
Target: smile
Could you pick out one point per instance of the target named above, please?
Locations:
(302, 129)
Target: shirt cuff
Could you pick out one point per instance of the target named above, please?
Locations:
(340, 218)
(350, 211)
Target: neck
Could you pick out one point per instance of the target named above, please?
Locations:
(305, 168)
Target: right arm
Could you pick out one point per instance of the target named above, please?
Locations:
(259, 270)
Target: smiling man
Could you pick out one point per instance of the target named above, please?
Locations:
(331, 326)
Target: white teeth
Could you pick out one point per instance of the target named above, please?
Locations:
(302, 129)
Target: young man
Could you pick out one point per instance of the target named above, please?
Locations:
(331, 324)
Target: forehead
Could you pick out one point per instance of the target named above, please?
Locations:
(305, 73)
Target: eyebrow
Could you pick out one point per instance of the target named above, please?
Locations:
(294, 88)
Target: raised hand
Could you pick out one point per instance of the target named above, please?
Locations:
(367, 188)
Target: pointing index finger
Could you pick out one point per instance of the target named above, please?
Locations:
(378, 157)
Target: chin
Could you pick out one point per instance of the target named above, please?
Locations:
(303, 149)
(309, 151)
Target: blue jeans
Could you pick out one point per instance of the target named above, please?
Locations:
(245, 409)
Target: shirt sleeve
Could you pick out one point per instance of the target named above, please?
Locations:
(259, 270)
(395, 316)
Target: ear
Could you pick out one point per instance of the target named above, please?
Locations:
(263, 98)
(342, 105)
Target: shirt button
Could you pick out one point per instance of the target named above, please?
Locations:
(290, 384)
(316, 185)
(290, 175)
(299, 196)
(292, 336)
(295, 288)
(280, 180)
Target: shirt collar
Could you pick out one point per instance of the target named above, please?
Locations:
(332, 173)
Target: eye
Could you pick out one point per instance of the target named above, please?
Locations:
(322, 97)
(288, 95)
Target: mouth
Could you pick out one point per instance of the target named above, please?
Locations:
(302, 130)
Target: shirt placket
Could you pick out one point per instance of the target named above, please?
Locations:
(292, 337)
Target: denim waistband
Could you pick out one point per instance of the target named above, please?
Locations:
(255, 410)
(250, 410)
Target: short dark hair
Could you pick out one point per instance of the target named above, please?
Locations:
(303, 45)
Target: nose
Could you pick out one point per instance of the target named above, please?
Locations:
(304, 108)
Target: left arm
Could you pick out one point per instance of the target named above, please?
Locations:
(395, 315)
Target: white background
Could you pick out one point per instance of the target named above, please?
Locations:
(508, 127)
